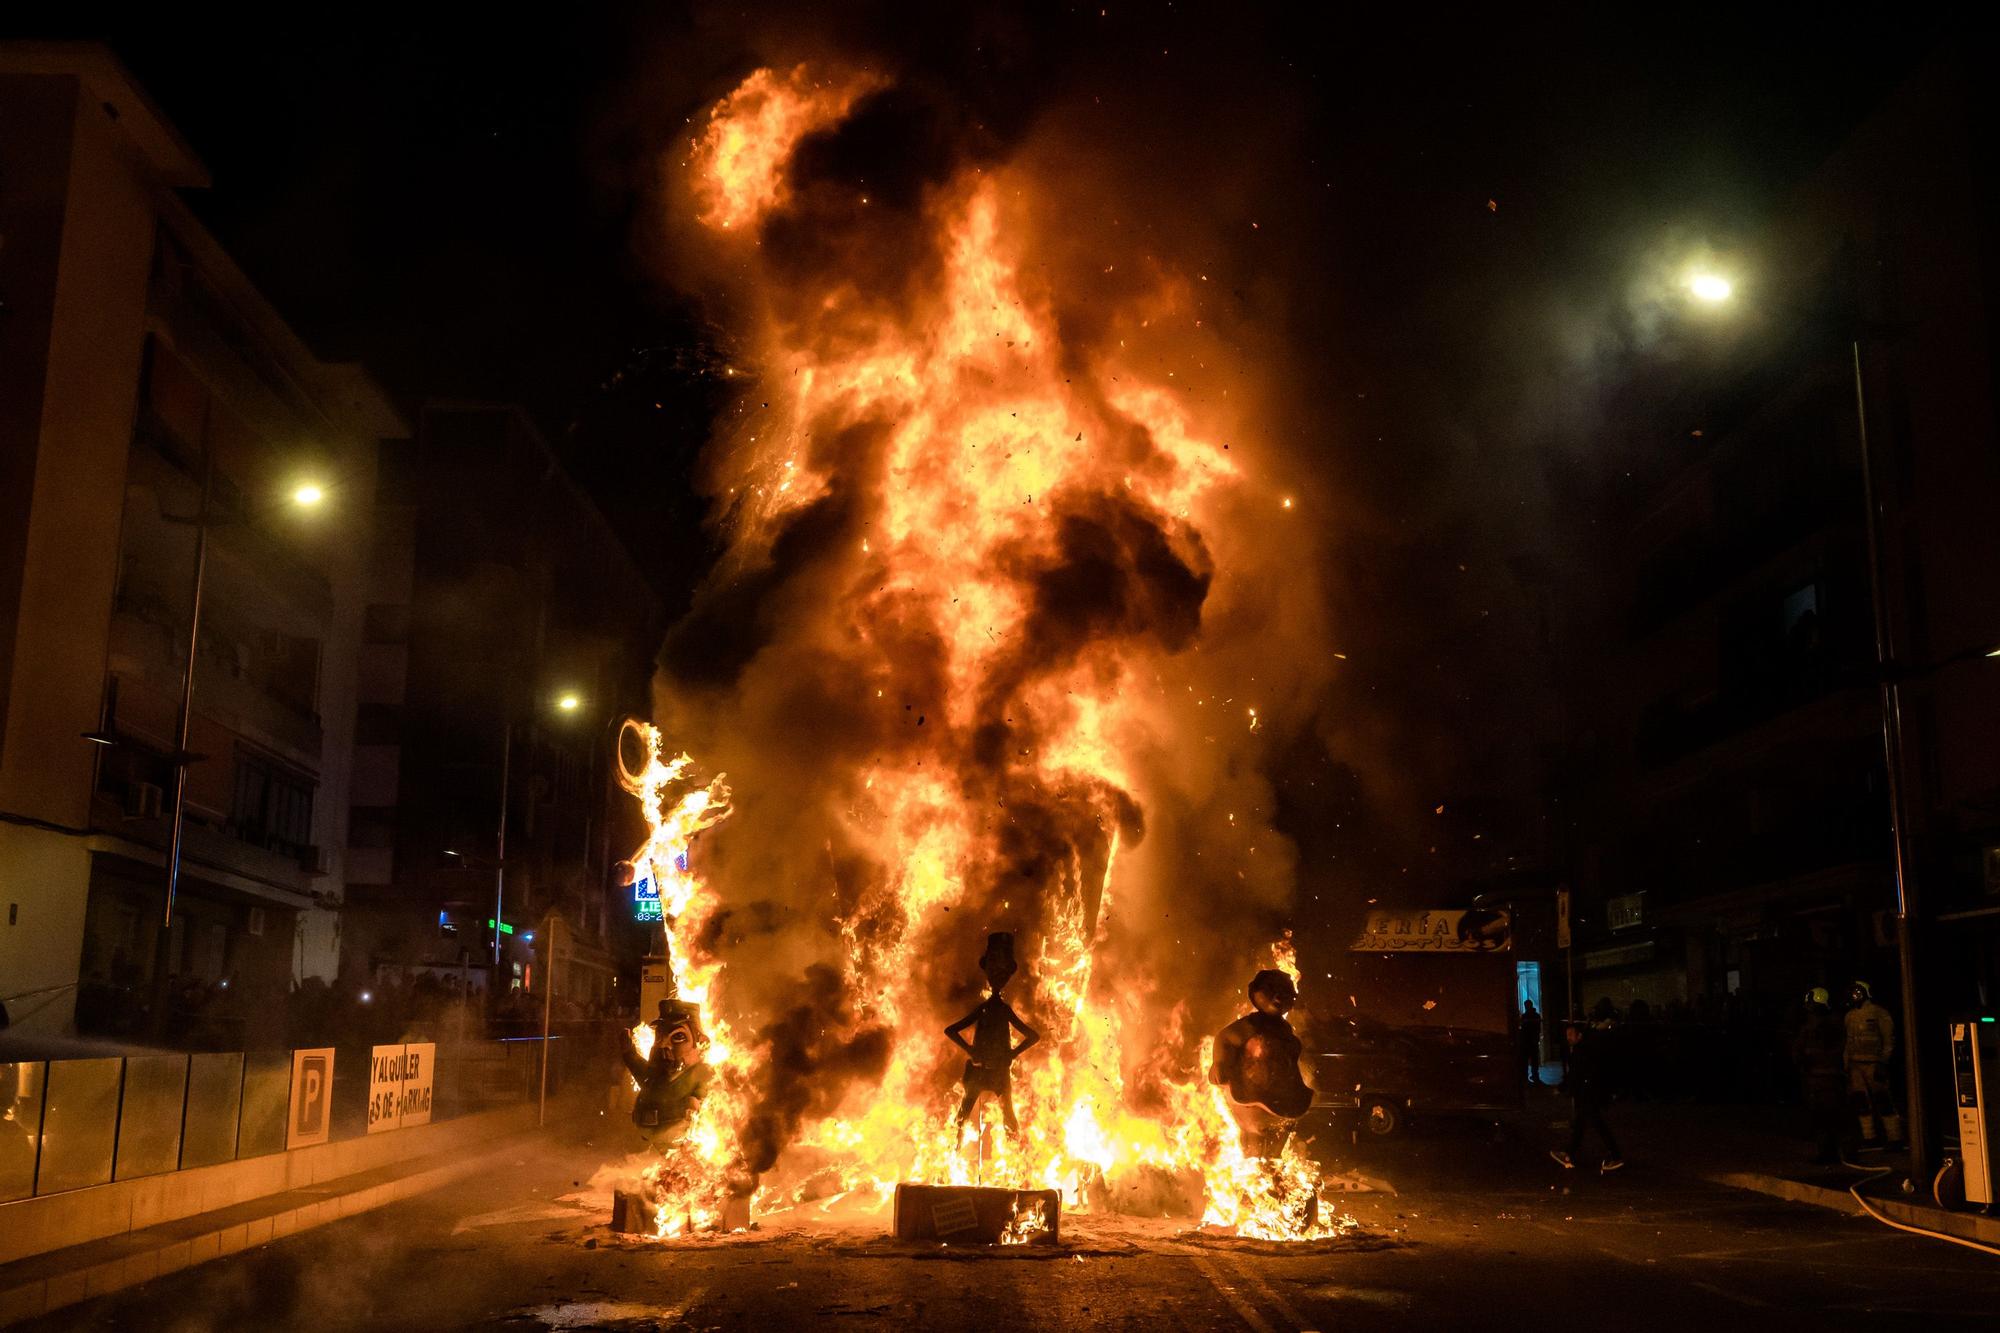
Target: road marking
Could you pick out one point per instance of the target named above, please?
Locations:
(1284, 1306)
(1246, 1311)
(526, 1212)
(1728, 1295)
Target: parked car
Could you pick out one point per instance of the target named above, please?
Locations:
(1385, 1075)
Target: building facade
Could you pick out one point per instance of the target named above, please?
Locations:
(1739, 849)
(507, 633)
(151, 399)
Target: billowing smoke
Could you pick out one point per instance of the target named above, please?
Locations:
(1015, 589)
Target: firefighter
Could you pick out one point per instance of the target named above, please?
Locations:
(1818, 1048)
(1871, 1040)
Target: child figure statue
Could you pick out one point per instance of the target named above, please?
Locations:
(1257, 1061)
(992, 1049)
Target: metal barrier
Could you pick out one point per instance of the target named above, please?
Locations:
(71, 1124)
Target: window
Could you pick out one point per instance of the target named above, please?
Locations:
(273, 806)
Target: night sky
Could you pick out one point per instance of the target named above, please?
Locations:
(1452, 209)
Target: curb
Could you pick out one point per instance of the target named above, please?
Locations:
(48, 1282)
(1965, 1226)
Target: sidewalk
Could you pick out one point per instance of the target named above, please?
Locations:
(50, 1280)
(1764, 1149)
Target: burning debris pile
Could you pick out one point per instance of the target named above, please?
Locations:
(1000, 598)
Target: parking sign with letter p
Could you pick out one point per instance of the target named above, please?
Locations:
(312, 1098)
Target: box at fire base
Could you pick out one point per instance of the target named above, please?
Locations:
(977, 1215)
(635, 1214)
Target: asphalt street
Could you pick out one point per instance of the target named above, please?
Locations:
(1483, 1231)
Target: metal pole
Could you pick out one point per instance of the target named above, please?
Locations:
(163, 948)
(500, 862)
(1892, 754)
(1569, 985)
(548, 1002)
(185, 720)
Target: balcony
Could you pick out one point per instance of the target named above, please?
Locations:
(147, 643)
(205, 848)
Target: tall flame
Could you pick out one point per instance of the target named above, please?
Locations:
(1021, 554)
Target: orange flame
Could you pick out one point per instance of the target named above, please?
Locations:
(996, 449)
(740, 159)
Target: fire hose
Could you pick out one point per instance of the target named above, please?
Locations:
(1876, 1172)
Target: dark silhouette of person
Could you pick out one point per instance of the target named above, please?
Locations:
(1531, 1041)
(1817, 1049)
(1587, 1081)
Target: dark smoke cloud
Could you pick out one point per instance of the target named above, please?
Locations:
(809, 1056)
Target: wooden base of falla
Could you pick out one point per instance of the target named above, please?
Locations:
(977, 1215)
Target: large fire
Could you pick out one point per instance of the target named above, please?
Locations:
(1026, 550)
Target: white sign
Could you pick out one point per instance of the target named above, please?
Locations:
(1437, 931)
(400, 1080)
(309, 1115)
(419, 1071)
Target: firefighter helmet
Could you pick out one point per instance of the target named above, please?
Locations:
(1817, 995)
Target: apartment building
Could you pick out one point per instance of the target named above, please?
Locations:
(164, 436)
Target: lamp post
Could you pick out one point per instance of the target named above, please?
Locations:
(1893, 759)
(1713, 289)
(566, 702)
(183, 720)
(305, 495)
(500, 848)
(551, 926)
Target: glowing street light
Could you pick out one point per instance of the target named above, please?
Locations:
(1711, 288)
(308, 494)
(569, 703)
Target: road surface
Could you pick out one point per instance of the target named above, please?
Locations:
(1483, 1232)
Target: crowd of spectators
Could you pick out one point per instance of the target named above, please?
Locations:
(1730, 1050)
(426, 1005)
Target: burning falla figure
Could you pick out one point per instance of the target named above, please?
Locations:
(992, 1049)
(672, 1077)
(1257, 1060)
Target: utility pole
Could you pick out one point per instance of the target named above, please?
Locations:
(500, 859)
(184, 721)
(1892, 754)
(548, 1005)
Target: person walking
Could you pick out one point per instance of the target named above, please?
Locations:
(1531, 1042)
(1871, 1040)
(1818, 1049)
(1587, 1081)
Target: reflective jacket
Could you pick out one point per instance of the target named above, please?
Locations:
(1871, 1034)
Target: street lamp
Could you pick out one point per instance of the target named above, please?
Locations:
(305, 495)
(568, 701)
(1711, 288)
